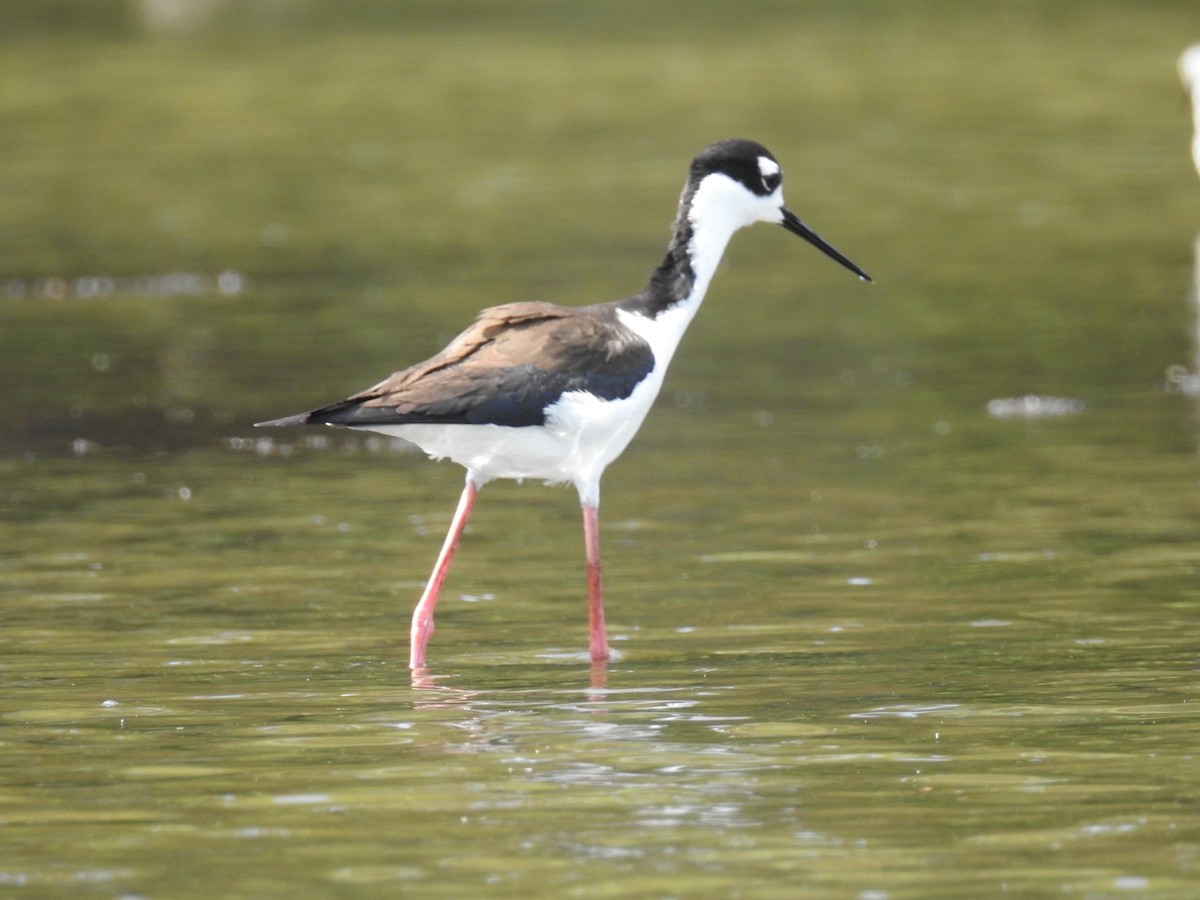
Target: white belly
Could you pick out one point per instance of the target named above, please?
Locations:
(582, 435)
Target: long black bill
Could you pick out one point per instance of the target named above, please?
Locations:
(793, 224)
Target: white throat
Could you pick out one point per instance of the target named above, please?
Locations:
(720, 206)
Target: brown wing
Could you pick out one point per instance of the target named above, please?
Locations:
(513, 362)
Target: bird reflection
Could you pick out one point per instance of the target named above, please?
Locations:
(438, 693)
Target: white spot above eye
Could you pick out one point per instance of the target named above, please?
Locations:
(767, 167)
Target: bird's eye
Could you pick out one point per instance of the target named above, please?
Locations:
(771, 175)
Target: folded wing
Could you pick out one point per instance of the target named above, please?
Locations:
(510, 365)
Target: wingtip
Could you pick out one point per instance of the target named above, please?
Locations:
(299, 419)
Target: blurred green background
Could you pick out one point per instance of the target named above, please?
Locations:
(368, 174)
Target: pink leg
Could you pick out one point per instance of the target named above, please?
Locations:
(422, 620)
(597, 640)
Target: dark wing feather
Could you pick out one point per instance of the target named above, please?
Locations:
(512, 363)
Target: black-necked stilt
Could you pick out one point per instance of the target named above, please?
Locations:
(534, 390)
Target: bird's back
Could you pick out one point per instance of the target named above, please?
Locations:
(506, 369)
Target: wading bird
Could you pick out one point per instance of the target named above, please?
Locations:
(535, 390)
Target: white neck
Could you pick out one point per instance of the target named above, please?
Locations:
(720, 207)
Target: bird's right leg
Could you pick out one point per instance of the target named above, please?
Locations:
(597, 637)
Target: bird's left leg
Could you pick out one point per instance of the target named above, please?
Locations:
(422, 620)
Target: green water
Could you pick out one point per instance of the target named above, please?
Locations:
(874, 641)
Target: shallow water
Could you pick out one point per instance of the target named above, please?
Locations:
(902, 577)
